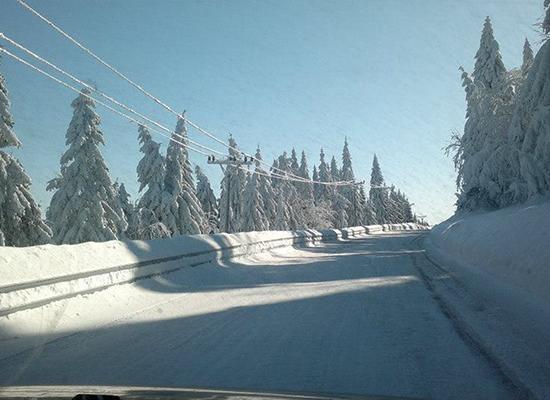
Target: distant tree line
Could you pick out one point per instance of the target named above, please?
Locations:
(87, 205)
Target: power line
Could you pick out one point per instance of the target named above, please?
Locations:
(120, 104)
(102, 94)
(183, 144)
(151, 96)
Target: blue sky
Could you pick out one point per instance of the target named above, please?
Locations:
(277, 73)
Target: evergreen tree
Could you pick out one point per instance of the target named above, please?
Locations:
(316, 186)
(182, 212)
(253, 213)
(123, 198)
(266, 190)
(363, 206)
(232, 186)
(378, 195)
(530, 128)
(527, 58)
(334, 170)
(208, 201)
(150, 172)
(282, 216)
(370, 214)
(21, 221)
(84, 206)
(291, 198)
(356, 209)
(305, 189)
(325, 191)
(489, 68)
(294, 166)
(483, 153)
(274, 172)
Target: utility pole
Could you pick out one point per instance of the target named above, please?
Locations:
(229, 161)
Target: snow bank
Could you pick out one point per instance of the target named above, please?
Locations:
(503, 259)
(34, 276)
(510, 246)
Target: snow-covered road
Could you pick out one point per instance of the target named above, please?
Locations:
(349, 317)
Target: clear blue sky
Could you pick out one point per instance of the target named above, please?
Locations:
(277, 73)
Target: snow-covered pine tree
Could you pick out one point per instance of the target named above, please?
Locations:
(356, 209)
(406, 207)
(275, 171)
(316, 186)
(182, 212)
(294, 166)
(84, 206)
(232, 186)
(287, 189)
(150, 171)
(339, 202)
(21, 221)
(253, 213)
(305, 189)
(489, 68)
(334, 170)
(370, 214)
(282, 216)
(363, 204)
(266, 189)
(527, 58)
(396, 213)
(123, 198)
(482, 157)
(208, 200)
(530, 129)
(378, 195)
(325, 191)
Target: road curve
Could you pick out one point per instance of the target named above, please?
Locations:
(353, 316)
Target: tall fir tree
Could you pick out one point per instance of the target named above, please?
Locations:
(483, 153)
(316, 185)
(253, 213)
(84, 206)
(231, 197)
(378, 194)
(208, 200)
(530, 128)
(528, 58)
(305, 189)
(282, 217)
(356, 209)
(150, 171)
(489, 69)
(182, 212)
(21, 221)
(287, 188)
(266, 189)
(325, 191)
(334, 170)
(123, 198)
(294, 166)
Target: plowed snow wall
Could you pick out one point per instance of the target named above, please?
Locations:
(38, 275)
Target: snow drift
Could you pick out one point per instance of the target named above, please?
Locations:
(503, 256)
(510, 246)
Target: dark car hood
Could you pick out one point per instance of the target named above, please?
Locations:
(160, 393)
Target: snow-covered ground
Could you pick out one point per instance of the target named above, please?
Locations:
(350, 316)
(500, 262)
